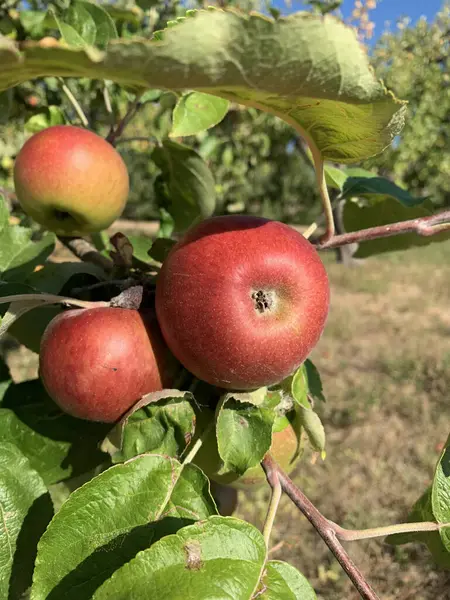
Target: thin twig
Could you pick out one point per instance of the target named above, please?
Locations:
(272, 509)
(323, 189)
(74, 103)
(351, 535)
(322, 526)
(198, 444)
(87, 252)
(425, 226)
(113, 136)
(108, 106)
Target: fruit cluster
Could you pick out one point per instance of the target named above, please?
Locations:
(240, 300)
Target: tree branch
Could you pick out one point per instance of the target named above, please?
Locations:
(87, 252)
(113, 136)
(321, 524)
(425, 226)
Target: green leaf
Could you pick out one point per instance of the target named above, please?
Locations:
(314, 382)
(300, 391)
(69, 33)
(107, 521)
(326, 89)
(32, 19)
(189, 183)
(164, 425)
(364, 184)
(422, 512)
(161, 248)
(384, 213)
(6, 104)
(51, 115)
(105, 29)
(283, 582)
(57, 446)
(196, 112)
(244, 431)
(433, 505)
(218, 558)
(5, 378)
(26, 509)
(19, 255)
(440, 496)
(334, 177)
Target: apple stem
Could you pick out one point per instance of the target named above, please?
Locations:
(425, 226)
(323, 189)
(198, 444)
(74, 103)
(275, 498)
(322, 525)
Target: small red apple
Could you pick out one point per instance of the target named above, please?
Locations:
(71, 180)
(242, 301)
(96, 363)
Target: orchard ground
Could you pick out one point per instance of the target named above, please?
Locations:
(385, 363)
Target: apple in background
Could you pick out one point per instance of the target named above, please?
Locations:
(96, 363)
(242, 301)
(71, 180)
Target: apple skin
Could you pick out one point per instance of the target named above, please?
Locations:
(242, 301)
(96, 363)
(286, 449)
(71, 180)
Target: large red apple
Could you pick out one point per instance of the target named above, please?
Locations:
(71, 180)
(242, 301)
(96, 363)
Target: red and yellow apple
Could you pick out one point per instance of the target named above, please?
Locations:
(96, 363)
(242, 301)
(71, 180)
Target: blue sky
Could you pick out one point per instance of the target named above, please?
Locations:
(387, 10)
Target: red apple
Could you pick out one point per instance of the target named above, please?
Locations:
(71, 180)
(96, 363)
(242, 301)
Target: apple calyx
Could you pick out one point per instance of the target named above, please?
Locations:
(264, 300)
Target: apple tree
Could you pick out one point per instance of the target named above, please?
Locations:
(170, 366)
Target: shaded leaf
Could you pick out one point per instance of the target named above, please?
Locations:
(19, 254)
(26, 509)
(58, 446)
(386, 212)
(107, 521)
(161, 248)
(218, 558)
(190, 191)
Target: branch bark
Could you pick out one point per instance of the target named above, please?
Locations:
(321, 524)
(425, 226)
(87, 252)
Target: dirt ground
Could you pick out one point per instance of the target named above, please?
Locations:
(385, 364)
